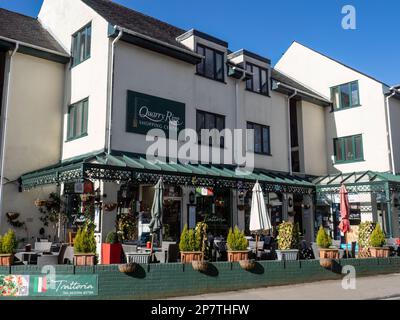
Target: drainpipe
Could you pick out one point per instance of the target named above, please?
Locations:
(389, 126)
(111, 89)
(5, 122)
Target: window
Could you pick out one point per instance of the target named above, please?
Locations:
(345, 96)
(81, 42)
(77, 120)
(259, 82)
(212, 66)
(262, 141)
(348, 149)
(207, 120)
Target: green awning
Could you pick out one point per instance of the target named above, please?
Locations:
(125, 167)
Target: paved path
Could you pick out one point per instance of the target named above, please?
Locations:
(377, 287)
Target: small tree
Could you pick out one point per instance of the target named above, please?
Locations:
(112, 238)
(52, 215)
(236, 240)
(377, 237)
(184, 243)
(9, 242)
(85, 241)
(324, 241)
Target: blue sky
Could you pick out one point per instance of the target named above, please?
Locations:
(268, 27)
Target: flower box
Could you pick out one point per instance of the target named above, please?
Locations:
(379, 252)
(111, 253)
(328, 253)
(84, 259)
(6, 259)
(236, 256)
(190, 256)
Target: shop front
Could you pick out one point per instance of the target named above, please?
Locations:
(372, 197)
(116, 192)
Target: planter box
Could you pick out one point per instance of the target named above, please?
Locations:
(111, 253)
(189, 256)
(236, 256)
(84, 259)
(328, 253)
(6, 259)
(379, 252)
(287, 255)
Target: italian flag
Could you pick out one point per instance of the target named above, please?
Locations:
(40, 285)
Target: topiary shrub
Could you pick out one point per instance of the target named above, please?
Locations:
(236, 240)
(364, 234)
(288, 236)
(85, 241)
(9, 242)
(324, 241)
(112, 238)
(201, 238)
(184, 243)
(377, 239)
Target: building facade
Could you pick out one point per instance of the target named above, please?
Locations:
(128, 73)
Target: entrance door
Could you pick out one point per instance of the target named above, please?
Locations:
(172, 219)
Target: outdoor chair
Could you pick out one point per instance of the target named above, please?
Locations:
(68, 257)
(220, 253)
(128, 249)
(169, 251)
(43, 246)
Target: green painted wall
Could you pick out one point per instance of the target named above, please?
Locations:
(166, 280)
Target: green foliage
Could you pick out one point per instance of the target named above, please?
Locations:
(364, 234)
(184, 243)
(193, 240)
(8, 243)
(112, 238)
(324, 241)
(288, 235)
(236, 240)
(377, 239)
(201, 237)
(85, 242)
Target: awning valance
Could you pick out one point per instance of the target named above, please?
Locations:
(137, 169)
(358, 182)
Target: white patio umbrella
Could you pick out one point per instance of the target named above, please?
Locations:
(259, 218)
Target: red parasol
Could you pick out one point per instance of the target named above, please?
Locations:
(344, 225)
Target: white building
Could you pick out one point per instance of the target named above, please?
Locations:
(361, 133)
(128, 71)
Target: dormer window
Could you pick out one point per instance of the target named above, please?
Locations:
(212, 66)
(259, 82)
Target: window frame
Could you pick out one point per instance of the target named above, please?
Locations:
(215, 73)
(349, 86)
(252, 65)
(84, 109)
(262, 126)
(74, 62)
(343, 141)
(215, 115)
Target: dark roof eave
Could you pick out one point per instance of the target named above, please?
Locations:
(155, 45)
(34, 51)
(303, 95)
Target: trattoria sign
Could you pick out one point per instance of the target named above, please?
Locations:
(48, 286)
(146, 112)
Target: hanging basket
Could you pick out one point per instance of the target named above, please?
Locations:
(128, 267)
(247, 265)
(200, 266)
(40, 203)
(326, 263)
(110, 207)
(85, 197)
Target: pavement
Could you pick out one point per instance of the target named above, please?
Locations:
(381, 287)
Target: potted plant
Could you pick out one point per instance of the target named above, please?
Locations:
(377, 242)
(85, 247)
(8, 245)
(111, 250)
(190, 246)
(237, 245)
(288, 241)
(324, 243)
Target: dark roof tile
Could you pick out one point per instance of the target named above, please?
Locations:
(26, 29)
